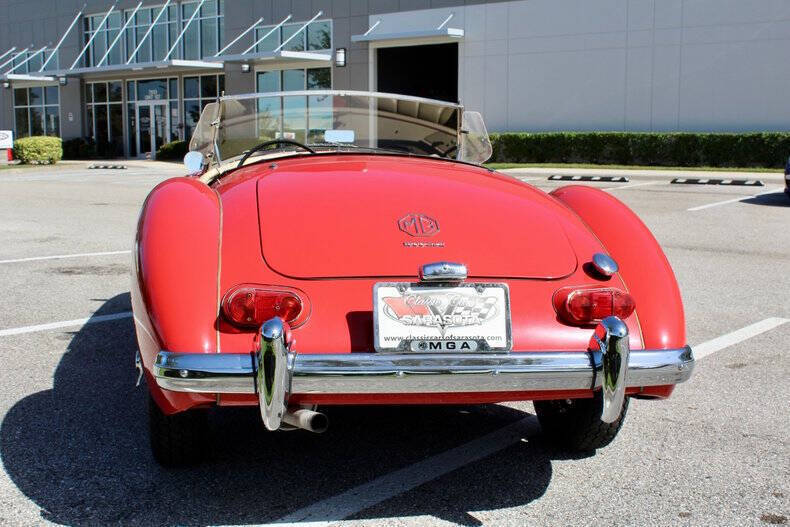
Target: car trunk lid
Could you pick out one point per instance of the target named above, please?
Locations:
(384, 216)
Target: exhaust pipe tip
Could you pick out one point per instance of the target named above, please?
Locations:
(307, 420)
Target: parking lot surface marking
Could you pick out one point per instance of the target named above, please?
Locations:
(632, 185)
(64, 324)
(734, 200)
(62, 256)
(725, 341)
(361, 497)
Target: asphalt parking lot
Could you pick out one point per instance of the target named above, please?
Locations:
(73, 433)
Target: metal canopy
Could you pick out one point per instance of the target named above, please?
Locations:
(442, 30)
(266, 56)
(23, 80)
(171, 65)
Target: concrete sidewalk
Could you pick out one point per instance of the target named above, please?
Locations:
(646, 174)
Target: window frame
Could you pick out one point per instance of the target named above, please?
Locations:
(40, 106)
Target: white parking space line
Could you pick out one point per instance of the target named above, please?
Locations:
(62, 256)
(734, 200)
(719, 343)
(632, 185)
(64, 324)
(359, 498)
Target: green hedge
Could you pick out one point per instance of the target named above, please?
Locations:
(770, 149)
(38, 149)
(174, 151)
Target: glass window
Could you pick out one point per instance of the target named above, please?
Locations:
(90, 130)
(51, 95)
(319, 35)
(198, 91)
(116, 128)
(172, 88)
(116, 92)
(295, 44)
(293, 80)
(52, 120)
(21, 122)
(208, 36)
(153, 89)
(319, 79)
(301, 118)
(100, 92)
(20, 97)
(268, 81)
(100, 111)
(208, 86)
(36, 120)
(191, 88)
(159, 41)
(131, 93)
(36, 96)
(268, 43)
(132, 129)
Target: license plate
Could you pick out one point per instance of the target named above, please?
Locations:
(470, 317)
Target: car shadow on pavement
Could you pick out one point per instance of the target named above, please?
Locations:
(773, 199)
(80, 452)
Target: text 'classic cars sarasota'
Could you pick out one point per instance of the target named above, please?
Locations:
(336, 248)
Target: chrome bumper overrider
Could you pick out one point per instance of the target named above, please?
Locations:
(275, 373)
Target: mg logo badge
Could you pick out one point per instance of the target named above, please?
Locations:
(416, 224)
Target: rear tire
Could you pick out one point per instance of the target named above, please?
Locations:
(576, 423)
(178, 439)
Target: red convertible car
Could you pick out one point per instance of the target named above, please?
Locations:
(347, 248)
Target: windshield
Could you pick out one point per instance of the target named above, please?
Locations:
(330, 120)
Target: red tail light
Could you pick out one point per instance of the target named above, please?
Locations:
(586, 306)
(251, 306)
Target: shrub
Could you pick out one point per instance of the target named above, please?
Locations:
(769, 149)
(174, 151)
(38, 149)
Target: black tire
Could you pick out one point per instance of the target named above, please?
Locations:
(178, 439)
(576, 424)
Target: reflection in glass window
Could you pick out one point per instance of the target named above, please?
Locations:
(36, 111)
(30, 61)
(293, 80)
(317, 36)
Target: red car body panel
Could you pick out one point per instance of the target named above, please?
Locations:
(354, 208)
(323, 222)
(643, 265)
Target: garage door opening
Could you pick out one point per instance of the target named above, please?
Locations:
(424, 71)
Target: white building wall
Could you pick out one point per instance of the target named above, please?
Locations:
(639, 65)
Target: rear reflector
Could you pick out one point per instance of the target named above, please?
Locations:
(587, 306)
(250, 306)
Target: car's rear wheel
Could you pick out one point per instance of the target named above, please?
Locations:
(576, 423)
(178, 439)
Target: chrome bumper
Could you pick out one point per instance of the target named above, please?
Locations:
(607, 364)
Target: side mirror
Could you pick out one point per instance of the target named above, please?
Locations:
(194, 162)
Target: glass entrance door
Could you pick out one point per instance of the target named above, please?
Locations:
(153, 128)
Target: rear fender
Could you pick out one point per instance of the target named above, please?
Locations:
(174, 283)
(643, 266)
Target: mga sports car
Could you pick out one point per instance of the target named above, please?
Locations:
(347, 248)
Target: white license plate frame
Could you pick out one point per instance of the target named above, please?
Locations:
(441, 335)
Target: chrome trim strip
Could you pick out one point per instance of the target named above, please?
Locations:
(379, 373)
